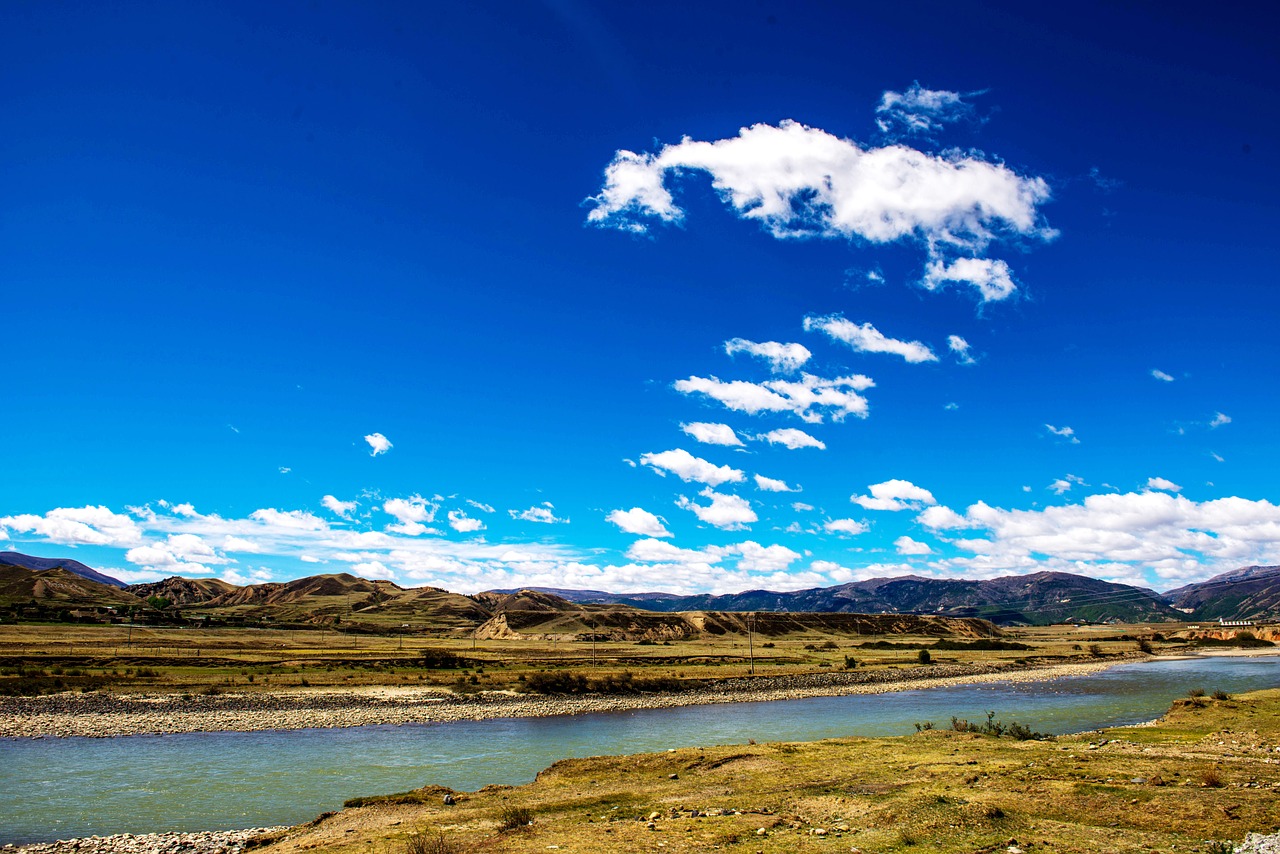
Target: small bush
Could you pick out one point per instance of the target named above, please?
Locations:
(421, 843)
(1095, 650)
(922, 726)
(1195, 693)
(850, 662)
(1212, 779)
(924, 657)
(514, 818)
(1220, 695)
(1144, 646)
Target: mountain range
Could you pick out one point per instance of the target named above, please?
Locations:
(1247, 593)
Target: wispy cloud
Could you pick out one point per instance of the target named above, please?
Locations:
(920, 111)
(1161, 375)
(791, 438)
(960, 347)
(689, 468)
(769, 484)
(1064, 433)
(712, 434)
(845, 527)
(338, 508)
(807, 397)
(1219, 419)
(865, 338)
(544, 514)
(1163, 483)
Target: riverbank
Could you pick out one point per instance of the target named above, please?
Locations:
(209, 842)
(103, 715)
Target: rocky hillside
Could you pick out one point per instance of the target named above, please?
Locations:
(58, 589)
(1248, 593)
(1036, 599)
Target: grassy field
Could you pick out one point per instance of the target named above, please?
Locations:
(1205, 775)
(38, 658)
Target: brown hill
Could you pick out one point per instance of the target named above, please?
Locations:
(183, 591)
(58, 588)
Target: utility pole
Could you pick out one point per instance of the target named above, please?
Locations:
(593, 642)
(751, 647)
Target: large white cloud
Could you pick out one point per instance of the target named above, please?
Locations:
(796, 180)
(727, 512)
(782, 358)
(712, 434)
(639, 521)
(89, 526)
(806, 397)
(690, 468)
(1169, 535)
(865, 338)
(894, 495)
(379, 444)
(462, 523)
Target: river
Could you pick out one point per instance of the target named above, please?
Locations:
(60, 788)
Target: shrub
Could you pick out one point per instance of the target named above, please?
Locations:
(514, 818)
(1144, 646)
(1195, 693)
(996, 728)
(1212, 779)
(922, 726)
(1095, 650)
(924, 656)
(850, 662)
(421, 843)
(1220, 695)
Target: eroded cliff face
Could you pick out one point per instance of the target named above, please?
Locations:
(1224, 633)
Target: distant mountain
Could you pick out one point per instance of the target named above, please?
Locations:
(1037, 599)
(57, 588)
(1248, 593)
(73, 566)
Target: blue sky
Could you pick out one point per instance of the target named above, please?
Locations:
(684, 297)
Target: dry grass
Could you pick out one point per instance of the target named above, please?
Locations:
(1126, 790)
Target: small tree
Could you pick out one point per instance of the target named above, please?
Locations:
(924, 656)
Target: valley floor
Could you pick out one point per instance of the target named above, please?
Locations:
(100, 714)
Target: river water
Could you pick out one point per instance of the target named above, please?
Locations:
(60, 788)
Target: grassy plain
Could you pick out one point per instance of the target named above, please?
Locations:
(58, 656)
(1204, 775)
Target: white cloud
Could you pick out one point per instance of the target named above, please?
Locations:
(801, 507)
(179, 553)
(656, 551)
(960, 347)
(1163, 483)
(758, 558)
(940, 518)
(865, 338)
(1164, 534)
(712, 434)
(919, 110)
(379, 443)
(298, 520)
(907, 546)
(461, 522)
(70, 526)
(340, 508)
(481, 506)
(544, 514)
(792, 438)
(240, 544)
(690, 468)
(1061, 485)
(768, 484)
(1218, 457)
(1161, 375)
(639, 521)
(801, 181)
(411, 514)
(1064, 432)
(991, 277)
(782, 358)
(951, 407)
(1219, 419)
(728, 512)
(894, 495)
(804, 398)
(847, 527)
